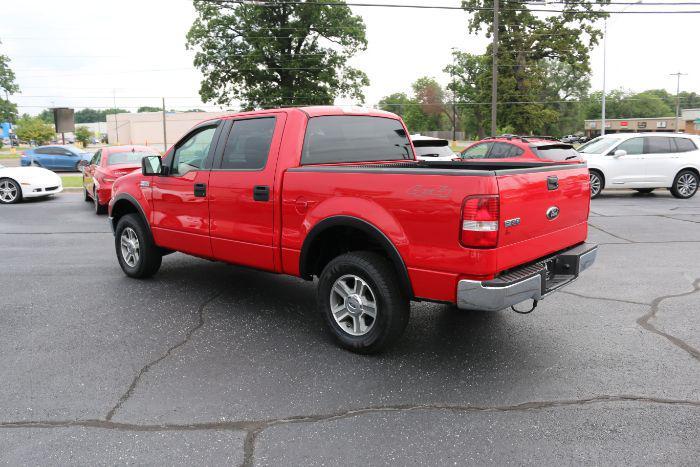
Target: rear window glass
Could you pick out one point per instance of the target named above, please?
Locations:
(504, 151)
(346, 138)
(556, 153)
(433, 151)
(127, 157)
(684, 145)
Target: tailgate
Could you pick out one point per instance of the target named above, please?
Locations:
(540, 203)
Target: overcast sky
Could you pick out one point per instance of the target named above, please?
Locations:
(81, 53)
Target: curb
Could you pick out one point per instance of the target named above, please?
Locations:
(72, 190)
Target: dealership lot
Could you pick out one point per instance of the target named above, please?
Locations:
(210, 363)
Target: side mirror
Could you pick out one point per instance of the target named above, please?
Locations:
(619, 153)
(151, 165)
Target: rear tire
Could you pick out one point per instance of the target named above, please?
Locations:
(10, 191)
(644, 190)
(685, 185)
(99, 208)
(138, 255)
(362, 302)
(86, 194)
(597, 182)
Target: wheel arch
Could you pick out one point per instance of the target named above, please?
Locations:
(334, 232)
(690, 168)
(125, 204)
(600, 173)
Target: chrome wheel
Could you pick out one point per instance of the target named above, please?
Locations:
(353, 305)
(131, 251)
(687, 184)
(9, 191)
(595, 184)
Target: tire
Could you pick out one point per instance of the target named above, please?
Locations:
(79, 165)
(138, 259)
(99, 208)
(645, 191)
(10, 191)
(354, 284)
(597, 182)
(86, 194)
(685, 185)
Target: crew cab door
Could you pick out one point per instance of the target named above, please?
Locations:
(629, 168)
(242, 191)
(180, 216)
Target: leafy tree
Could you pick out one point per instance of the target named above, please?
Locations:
(8, 110)
(625, 104)
(277, 54)
(472, 87)
(148, 108)
(525, 39)
(34, 129)
(83, 115)
(83, 134)
(431, 97)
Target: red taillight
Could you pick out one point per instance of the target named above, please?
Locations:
(480, 219)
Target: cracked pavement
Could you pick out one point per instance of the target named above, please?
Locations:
(210, 364)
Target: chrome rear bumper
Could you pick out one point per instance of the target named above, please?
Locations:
(534, 281)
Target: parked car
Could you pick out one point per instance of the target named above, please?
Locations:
(644, 162)
(17, 183)
(432, 149)
(508, 148)
(107, 165)
(56, 157)
(571, 139)
(338, 194)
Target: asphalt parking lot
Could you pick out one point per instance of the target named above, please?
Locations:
(209, 364)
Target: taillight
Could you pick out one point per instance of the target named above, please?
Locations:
(480, 219)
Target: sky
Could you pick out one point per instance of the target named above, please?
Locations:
(98, 53)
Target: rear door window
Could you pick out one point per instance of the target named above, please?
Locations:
(345, 138)
(248, 144)
(684, 145)
(504, 150)
(658, 145)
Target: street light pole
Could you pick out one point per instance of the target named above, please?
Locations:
(678, 98)
(605, 40)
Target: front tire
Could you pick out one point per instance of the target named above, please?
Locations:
(685, 185)
(86, 195)
(597, 182)
(362, 303)
(138, 256)
(10, 191)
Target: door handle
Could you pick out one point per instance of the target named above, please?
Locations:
(200, 190)
(261, 193)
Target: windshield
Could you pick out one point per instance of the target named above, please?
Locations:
(127, 157)
(434, 151)
(598, 146)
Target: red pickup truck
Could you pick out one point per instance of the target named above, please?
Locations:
(338, 194)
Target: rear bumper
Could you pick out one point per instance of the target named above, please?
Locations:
(534, 281)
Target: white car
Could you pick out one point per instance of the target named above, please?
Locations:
(432, 149)
(17, 183)
(644, 162)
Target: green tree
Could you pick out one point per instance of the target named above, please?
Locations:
(525, 39)
(34, 129)
(471, 84)
(148, 108)
(8, 110)
(277, 54)
(83, 134)
(626, 104)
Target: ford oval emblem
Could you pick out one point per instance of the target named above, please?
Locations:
(552, 213)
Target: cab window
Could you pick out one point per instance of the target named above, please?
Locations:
(478, 151)
(248, 144)
(191, 153)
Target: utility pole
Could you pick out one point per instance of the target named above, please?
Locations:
(494, 72)
(454, 111)
(165, 135)
(116, 125)
(602, 110)
(678, 98)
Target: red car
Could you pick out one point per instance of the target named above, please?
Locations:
(338, 194)
(520, 148)
(107, 165)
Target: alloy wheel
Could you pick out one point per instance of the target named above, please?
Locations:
(687, 184)
(130, 248)
(353, 305)
(8, 191)
(595, 184)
